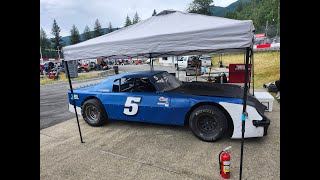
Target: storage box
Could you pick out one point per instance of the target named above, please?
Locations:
(266, 99)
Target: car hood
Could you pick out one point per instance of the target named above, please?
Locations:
(218, 90)
(210, 89)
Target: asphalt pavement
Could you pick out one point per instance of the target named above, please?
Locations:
(136, 151)
(132, 150)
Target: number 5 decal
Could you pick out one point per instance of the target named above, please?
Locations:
(131, 102)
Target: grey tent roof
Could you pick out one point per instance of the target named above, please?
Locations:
(170, 32)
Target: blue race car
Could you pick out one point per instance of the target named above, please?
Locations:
(211, 110)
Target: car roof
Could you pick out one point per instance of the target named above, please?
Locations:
(137, 74)
(108, 83)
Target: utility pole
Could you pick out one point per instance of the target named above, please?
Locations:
(58, 52)
(267, 28)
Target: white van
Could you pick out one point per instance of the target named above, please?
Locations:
(183, 61)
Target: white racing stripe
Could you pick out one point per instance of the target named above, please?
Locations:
(71, 109)
(235, 111)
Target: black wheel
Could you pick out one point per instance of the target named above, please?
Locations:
(93, 112)
(208, 123)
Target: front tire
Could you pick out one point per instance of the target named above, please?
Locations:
(94, 113)
(208, 123)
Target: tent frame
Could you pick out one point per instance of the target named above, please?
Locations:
(248, 55)
(245, 46)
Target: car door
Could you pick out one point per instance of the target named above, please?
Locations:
(145, 107)
(136, 106)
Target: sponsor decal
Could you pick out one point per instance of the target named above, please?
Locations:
(75, 96)
(163, 101)
(241, 67)
(104, 90)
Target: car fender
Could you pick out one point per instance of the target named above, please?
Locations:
(235, 111)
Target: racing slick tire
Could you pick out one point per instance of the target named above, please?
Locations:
(208, 123)
(93, 112)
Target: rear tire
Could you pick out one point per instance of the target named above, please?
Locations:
(94, 113)
(208, 123)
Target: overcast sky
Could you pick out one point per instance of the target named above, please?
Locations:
(85, 12)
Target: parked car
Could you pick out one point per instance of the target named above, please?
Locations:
(138, 62)
(211, 110)
(92, 66)
(83, 67)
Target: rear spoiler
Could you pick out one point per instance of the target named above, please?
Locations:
(84, 84)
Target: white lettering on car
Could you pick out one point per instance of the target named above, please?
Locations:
(131, 102)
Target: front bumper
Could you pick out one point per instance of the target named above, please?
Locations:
(71, 109)
(265, 122)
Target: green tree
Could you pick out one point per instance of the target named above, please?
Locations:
(86, 34)
(128, 22)
(154, 12)
(260, 12)
(240, 6)
(136, 18)
(56, 40)
(44, 44)
(231, 15)
(75, 35)
(97, 30)
(200, 7)
(110, 27)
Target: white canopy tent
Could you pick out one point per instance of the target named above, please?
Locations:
(173, 33)
(168, 33)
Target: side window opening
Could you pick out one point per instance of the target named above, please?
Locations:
(133, 85)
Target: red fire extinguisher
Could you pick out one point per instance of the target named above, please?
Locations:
(224, 163)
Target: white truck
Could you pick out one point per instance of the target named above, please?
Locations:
(206, 61)
(182, 62)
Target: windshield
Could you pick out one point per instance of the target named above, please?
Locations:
(165, 81)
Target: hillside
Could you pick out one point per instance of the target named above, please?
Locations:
(263, 13)
(222, 11)
(66, 39)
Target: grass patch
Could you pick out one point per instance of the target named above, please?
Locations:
(63, 78)
(266, 65)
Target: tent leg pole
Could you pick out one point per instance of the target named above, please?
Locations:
(151, 63)
(250, 62)
(178, 67)
(252, 66)
(244, 113)
(74, 101)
